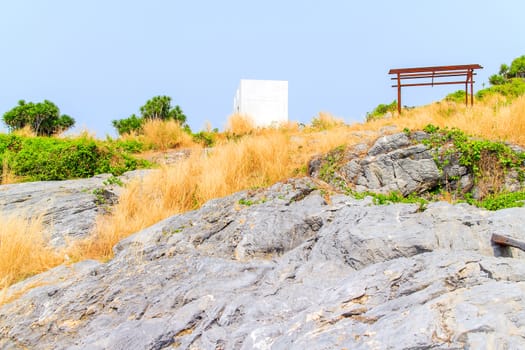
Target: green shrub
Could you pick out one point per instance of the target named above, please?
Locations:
(381, 110)
(457, 96)
(501, 201)
(43, 158)
(206, 138)
(128, 125)
(130, 146)
(513, 88)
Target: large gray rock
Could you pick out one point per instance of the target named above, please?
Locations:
(68, 208)
(289, 271)
(403, 163)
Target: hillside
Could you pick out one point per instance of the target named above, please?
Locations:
(236, 247)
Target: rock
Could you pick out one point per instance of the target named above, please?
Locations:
(389, 143)
(282, 268)
(68, 208)
(170, 157)
(393, 164)
(403, 163)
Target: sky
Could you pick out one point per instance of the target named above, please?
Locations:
(100, 60)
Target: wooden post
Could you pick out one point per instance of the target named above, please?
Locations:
(398, 94)
(471, 71)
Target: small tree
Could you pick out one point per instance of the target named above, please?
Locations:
(496, 79)
(506, 73)
(517, 67)
(43, 117)
(158, 107)
(128, 125)
(503, 70)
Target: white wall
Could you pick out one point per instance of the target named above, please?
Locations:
(265, 101)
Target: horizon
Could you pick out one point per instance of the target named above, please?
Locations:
(101, 61)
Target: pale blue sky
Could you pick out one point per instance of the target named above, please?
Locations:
(101, 60)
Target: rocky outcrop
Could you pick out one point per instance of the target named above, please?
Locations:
(282, 268)
(68, 208)
(403, 163)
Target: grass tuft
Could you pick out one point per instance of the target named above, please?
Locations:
(240, 124)
(23, 251)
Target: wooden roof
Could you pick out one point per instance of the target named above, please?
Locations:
(461, 67)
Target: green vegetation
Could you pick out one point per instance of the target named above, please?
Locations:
(43, 118)
(487, 160)
(506, 73)
(511, 89)
(158, 107)
(128, 125)
(206, 138)
(380, 111)
(500, 201)
(113, 180)
(249, 202)
(457, 96)
(472, 152)
(44, 158)
(331, 164)
(508, 83)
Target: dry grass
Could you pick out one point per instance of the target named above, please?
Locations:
(165, 134)
(162, 135)
(251, 162)
(26, 131)
(240, 124)
(494, 120)
(326, 121)
(84, 133)
(23, 251)
(8, 176)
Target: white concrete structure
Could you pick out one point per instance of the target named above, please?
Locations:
(265, 101)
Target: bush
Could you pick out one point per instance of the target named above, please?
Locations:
(133, 124)
(43, 158)
(457, 96)
(130, 146)
(206, 138)
(513, 88)
(381, 110)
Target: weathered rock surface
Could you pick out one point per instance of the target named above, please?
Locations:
(290, 271)
(68, 208)
(402, 163)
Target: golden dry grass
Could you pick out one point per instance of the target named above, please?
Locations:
(23, 251)
(162, 135)
(26, 131)
(8, 176)
(240, 124)
(165, 134)
(326, 121)
(494, 120)
(251, 162)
